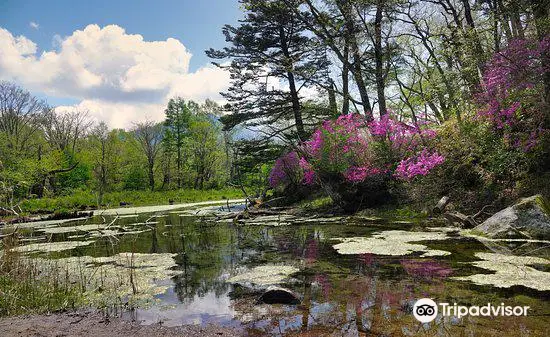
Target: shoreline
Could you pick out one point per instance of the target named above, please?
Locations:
(97, 324)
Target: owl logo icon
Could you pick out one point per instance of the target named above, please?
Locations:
(425, 310)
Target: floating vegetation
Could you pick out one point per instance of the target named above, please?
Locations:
(510, 271)
(129, 276)
(473, 234)
(264, 275)
(162, 208)
(33, 239)
(44, 223)
(70, 229)
(335, 219)
(142, 223)
(47, 247)
(270, 224)
(391, 243)
(105, 232)
(129, 216)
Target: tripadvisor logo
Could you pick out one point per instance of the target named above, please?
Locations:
(425, 310)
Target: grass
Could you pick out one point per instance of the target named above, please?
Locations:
(23, 290)
(316, 204)
(83, 199)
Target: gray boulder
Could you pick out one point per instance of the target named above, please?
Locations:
(529, 218)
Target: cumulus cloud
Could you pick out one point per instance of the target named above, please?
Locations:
(118, 77)
(34, 25)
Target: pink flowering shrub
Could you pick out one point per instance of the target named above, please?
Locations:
(512, 95)
(355, 150)
(286, 171)
(421, 164)
(351, 158)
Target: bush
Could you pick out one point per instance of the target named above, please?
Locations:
(357, 162)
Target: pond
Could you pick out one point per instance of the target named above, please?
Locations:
(353, 275)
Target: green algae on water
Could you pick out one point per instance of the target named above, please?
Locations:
(509, 271)
(47, 247)
(264, 275)
(393, 242)
(131, 277)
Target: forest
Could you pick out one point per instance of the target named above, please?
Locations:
(365, 102)
(403, 102)
(48, 154)
(365, 163)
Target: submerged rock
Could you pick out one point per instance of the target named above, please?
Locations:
(278, 295)
(529, 218)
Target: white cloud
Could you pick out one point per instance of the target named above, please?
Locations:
(34, 25)
(119, 77)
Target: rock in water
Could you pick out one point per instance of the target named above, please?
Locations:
(277, 295)
(529, 218)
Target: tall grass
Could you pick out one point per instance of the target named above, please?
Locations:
(24, 289)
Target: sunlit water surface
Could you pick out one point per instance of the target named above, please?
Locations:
(348, 295)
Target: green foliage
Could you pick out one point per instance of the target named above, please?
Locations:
(135, 179)
(26, 294)
(87, 199)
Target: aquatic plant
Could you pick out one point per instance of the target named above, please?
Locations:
(264, 275)
(46, 247)
(509, 271)
(394, 242)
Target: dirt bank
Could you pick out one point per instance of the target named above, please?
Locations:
(91, 323)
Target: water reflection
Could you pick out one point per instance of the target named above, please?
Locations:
(344, 295)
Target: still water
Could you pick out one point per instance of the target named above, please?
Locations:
(342, 293)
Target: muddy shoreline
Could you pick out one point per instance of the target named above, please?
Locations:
(95, 323)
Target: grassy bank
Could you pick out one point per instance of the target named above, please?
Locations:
(24, 289)
(80, 200)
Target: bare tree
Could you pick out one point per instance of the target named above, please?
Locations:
(19, 115)
(149, 136)
(62, 130)
(100, 134)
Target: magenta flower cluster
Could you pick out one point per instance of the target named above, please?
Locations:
(421, 164)
(286, 170)
(512, 84)
(355, 150)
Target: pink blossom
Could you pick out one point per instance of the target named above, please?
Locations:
(421, 164)
(309, 177)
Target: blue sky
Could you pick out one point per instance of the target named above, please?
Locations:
(196, 23)
(33, 27)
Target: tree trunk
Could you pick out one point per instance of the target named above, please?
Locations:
(296, 107)
(179, 165)
(151, 176)
(541, 13)
(332, 99)
(345, 81)
(292, 85)
(378, 55)
(356, 65)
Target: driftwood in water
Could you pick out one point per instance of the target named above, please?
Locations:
(466, 221)
(462, 219)
(441, 204)
(53, 216)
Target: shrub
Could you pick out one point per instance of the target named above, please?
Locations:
(356, 161)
